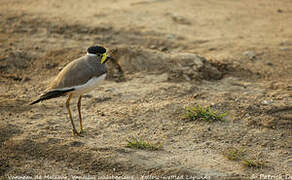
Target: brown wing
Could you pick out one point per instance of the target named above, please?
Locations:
(78, 72)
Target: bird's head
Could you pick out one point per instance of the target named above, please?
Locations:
(100, 52)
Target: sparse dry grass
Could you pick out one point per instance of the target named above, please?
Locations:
(240, 155)
(140, 143)
(203, 114)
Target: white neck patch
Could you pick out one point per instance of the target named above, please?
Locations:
(90, 54)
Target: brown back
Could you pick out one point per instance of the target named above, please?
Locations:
(78, 72)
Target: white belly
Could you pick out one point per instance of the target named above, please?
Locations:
(90, 85)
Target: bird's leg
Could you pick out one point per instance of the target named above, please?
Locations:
(79, 111)
(70, 116)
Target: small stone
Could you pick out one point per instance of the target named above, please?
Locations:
(267, 102)
(284, 48)
(270, 64)
(153, 46)
(250, 54)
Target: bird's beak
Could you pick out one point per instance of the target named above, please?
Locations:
(104, 58)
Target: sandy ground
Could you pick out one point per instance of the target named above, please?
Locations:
(247, 72)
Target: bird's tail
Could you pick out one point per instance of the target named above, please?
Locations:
(51, 94)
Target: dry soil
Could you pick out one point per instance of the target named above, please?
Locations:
(244, 68)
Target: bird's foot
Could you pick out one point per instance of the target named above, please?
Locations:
(75, 133)
(82, 131)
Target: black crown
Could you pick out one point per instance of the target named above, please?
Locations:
(96, 50)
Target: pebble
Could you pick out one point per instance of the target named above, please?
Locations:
(284, 48)
(270, 64)
(250, 54)
(267, 102)
(212, 49)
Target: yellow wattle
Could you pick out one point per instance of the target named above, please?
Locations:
(104, 56)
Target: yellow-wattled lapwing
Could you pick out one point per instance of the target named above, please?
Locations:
(78, 77)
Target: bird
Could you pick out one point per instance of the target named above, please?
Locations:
(76, 78)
